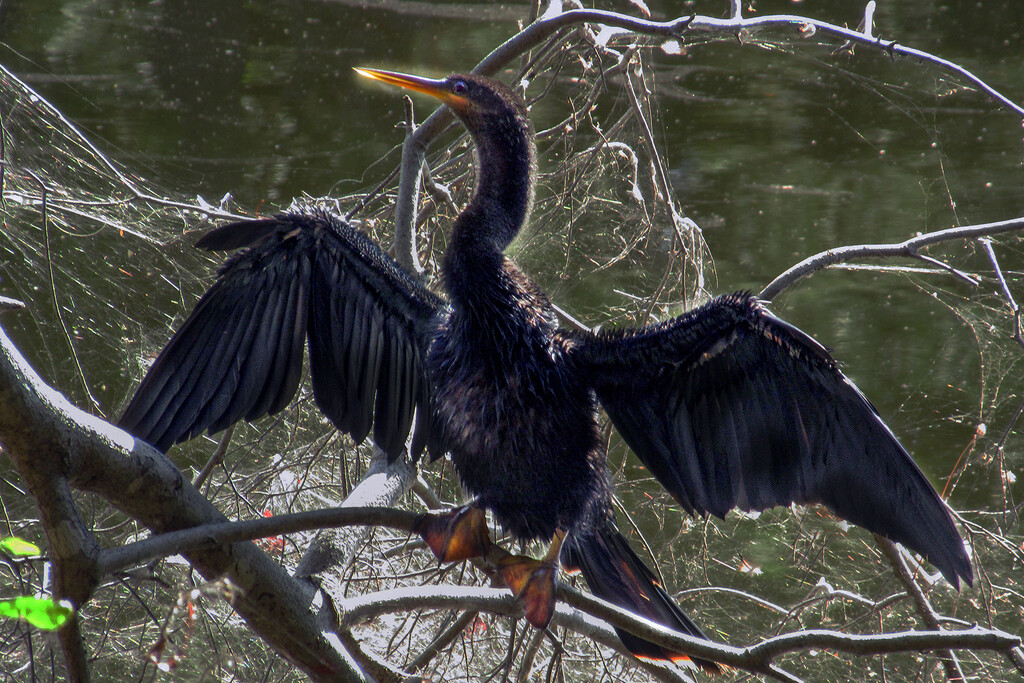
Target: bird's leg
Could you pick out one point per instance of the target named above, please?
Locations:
(455, 535)
(532, 581)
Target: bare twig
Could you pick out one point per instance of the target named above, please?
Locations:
(216, 458)
(680, 225)
(379, 669)
(126, 181)
(908, 248)
(529, 656)
(442, 640)
(924, 607)
(986, 244)
(736, 9)
(216, 534)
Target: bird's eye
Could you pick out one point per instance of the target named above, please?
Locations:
(460, 87)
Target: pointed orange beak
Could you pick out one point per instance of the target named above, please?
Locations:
(435, 87)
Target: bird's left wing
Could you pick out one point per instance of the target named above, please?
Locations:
(304, 274)
(730, 407)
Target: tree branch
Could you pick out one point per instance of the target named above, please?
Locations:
(407, 201)
(40, 427)
(589, 616)
(924, 606)
(539, 31)
(908, 248)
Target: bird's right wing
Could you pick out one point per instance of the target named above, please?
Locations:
(731, 407)
(303, 274)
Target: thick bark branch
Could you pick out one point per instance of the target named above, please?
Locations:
(46, 436)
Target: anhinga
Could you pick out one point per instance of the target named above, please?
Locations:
(728, 406)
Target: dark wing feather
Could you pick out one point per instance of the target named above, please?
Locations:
(730, 407)
(302, 275)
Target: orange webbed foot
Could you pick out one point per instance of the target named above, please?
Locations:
(533, 583)
(456, 535)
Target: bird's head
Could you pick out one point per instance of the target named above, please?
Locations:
(498, 121)
(477, 100)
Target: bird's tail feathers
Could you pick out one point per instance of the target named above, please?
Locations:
(615, 573)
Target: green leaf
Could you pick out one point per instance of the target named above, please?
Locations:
(19, 547)
(43, 613)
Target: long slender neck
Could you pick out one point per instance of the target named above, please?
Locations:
(505, 170)
(501, 204)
